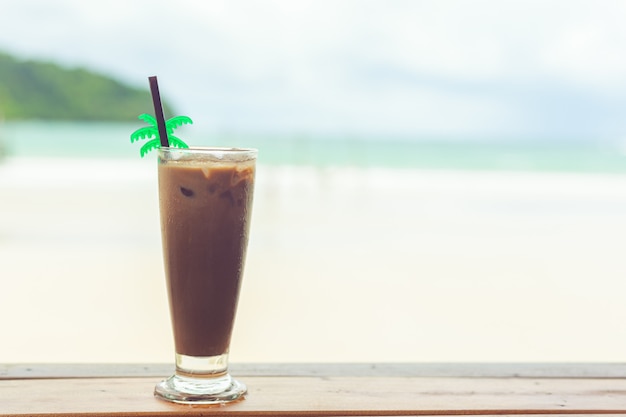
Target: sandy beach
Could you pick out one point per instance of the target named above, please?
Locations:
(353, 265)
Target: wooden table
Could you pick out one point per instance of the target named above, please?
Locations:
(325, 390)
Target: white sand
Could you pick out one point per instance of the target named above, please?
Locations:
(343, 265)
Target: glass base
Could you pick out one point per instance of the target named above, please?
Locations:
(220, 389)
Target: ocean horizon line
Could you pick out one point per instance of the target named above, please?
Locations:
(112, 140)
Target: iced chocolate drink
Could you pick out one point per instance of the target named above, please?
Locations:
(205, 198)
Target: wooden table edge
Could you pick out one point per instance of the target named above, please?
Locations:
(459, 370)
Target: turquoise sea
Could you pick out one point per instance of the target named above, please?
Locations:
(111, 140)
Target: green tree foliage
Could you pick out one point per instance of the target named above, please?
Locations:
(43, 90)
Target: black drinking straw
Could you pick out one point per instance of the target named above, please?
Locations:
(158, 111)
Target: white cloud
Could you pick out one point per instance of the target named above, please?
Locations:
(449, 66)
(591, 53)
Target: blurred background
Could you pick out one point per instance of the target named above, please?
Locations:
(437, 180)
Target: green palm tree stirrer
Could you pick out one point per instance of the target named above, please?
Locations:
(160, 132)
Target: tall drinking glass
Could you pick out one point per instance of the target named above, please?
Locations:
(205, 198)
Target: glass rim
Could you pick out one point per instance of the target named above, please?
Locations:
(208, 150)
(206, 154)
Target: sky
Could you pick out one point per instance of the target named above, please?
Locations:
(547, 70)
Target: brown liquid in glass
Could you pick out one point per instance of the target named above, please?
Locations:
(205, 217)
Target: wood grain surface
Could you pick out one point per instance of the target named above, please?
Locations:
(323, 396)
